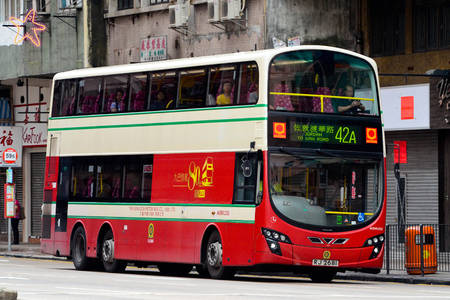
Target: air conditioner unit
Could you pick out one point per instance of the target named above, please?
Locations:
(230, 9)
(178, 15)
(67, 4)
(214, 11)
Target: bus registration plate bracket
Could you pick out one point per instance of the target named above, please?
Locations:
(325, 262)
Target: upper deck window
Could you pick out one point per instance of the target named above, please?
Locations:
(183, 88)
(322, 82)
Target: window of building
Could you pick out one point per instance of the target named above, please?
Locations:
(153, 2)
(388, 27)
(124, 4)
(431, 24)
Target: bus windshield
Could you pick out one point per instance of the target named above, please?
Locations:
(325, 189)
(321, 81)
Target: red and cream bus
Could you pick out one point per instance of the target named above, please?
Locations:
(268, 160)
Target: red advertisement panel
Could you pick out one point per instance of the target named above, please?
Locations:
(193, 178)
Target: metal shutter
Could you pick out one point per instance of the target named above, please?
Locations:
(37, 191)
(421, 170)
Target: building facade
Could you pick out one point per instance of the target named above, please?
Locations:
(410, 40)
(38, 39)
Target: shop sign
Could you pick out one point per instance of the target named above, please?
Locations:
(11, 146)
(34, 134)
(154, 48)
(33, 27)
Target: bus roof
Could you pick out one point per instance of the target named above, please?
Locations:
(195, 61)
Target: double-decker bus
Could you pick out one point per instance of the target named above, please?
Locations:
(270, 160)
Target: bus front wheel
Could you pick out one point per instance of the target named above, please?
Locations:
(214, 257)
(80, 260)
(111, 264)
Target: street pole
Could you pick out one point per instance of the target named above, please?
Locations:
(9, 234)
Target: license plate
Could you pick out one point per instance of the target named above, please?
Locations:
(325, 262)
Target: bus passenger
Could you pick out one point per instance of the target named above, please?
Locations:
(253, 97)
(349, 106)
(225, 98)
(117, 103)
(159, 102)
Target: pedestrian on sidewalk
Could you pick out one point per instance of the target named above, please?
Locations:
(15, 222)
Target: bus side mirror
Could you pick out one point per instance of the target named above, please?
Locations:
(397, 170)
(247, 168)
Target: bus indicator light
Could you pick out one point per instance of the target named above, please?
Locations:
(371, 136)
(279, 130)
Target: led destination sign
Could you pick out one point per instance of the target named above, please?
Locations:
(331, 132)
(321, 133)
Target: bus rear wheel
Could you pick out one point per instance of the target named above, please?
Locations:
(322, 275)
(80, 260)
(111, 264)
(214, 257)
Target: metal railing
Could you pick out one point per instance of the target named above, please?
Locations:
(405, 244)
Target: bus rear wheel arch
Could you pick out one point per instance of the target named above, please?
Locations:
(214, 258)
(109, 262)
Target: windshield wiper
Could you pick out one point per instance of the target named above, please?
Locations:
(330, 154)
(297, 156)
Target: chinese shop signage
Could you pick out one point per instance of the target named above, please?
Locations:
(11, 146)
(154, 48)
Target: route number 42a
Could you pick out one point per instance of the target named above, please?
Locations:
(345, 136)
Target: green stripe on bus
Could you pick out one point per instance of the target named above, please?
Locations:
(157, 112)
(163, 219)
(160, 124)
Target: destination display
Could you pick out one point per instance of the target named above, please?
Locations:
(326, 133)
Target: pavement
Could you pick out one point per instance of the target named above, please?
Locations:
(33, 250)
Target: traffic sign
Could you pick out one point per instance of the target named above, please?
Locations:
(10, 156)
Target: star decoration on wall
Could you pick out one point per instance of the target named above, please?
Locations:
(30, 17)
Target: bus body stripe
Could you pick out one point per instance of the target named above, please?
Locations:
(159, 124)
(163, 212)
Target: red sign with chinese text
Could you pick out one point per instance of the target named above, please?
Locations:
(194, 178)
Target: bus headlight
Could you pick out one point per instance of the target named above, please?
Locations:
(273, 238)
(376, 242)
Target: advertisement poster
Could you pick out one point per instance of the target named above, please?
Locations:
(194, 178)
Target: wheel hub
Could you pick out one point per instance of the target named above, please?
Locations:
(215, 254)
(108, 250)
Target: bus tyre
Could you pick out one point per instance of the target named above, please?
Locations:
(202, 270)
(214, 256)
(111, 264)
(322, 275)
(80, 260)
